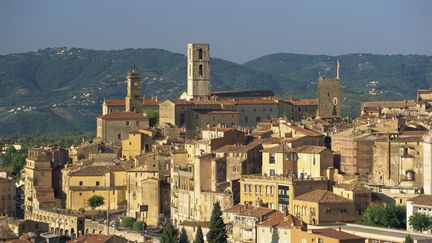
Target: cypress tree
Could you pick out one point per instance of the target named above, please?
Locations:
(217, 233)
(199, 237)
(169, 234)
(183, 236)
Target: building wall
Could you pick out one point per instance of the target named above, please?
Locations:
(283, 164)
(198, 120)
(7, 196)
(320, 213)
(314, 165)
(135, 145)
(198, 81)
(356, 154)
(114, 131)
(60, 222)
(274, 234)
(252, 114)
(427, 164)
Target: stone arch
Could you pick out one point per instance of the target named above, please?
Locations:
(100, 232)
(72, 233)
(61, 231)
(66, 232)
(52, 230)
(87, 230)
(94, 231)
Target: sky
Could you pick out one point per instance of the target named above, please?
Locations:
(237, 30)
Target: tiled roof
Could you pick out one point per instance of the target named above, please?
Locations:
(300, 102)
(355, 187)
(390, 104)
(180, 101)
(121, 102)
(257, 102)
(92, 238)
(278, 149)
(336, 234)
(97, 170)
(279, 220)
(305, 131)
(321, 196)
(122, 116)
(251, 211)
(308, 149)
(422, 200)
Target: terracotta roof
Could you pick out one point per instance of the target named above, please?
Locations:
(355, 187)
(308, 149)
(336, 234)
(97, 170)
(279, 220)
(422, 200)
(203, 224)
(151, 102)
(238, 148)
(256, 212)
(257, 102)
(300, 102)
(180, 102)
(389, 104)
(278, 149)
(321, 196)
(122, 116)
(114, 102)
(305, 131)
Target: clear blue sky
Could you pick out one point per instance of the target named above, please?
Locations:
(238, 30)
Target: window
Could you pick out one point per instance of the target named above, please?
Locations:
(137, 123)
(80, 193)
(313, 160)
(80, 183)
(272, 158)
(119, 136)
(200, 70)
(200, 54)
(258, 118)
(272, 173)
(246, 119)
(127, 123)
(97, 183)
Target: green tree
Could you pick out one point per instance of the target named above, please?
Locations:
(217, 232)
(139, 226)
(96, 201)
(153, 117)
(128, 222)
(408, 239)
(169, 234)
(199, 237)
(420, 222)
(389, 216)
(183, 236)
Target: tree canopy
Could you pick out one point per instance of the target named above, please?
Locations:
(96, 201)
(169, 234)
(420, 222)
(217, 232)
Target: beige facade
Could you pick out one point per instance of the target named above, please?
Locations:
(143, 189)
(328, 97)
(7, 195)
(313, 161)
(198, 66)
(279, 160)
(138, 143)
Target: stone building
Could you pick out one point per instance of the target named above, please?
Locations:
(244, 219)
(7, 195)
(322, 206)
(113, 127)
(313, 161)
(278, 228)
(419, 204)
(356, 191)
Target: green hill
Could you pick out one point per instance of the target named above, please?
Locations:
(61, 89)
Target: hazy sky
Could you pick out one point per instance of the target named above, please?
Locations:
(237, 30)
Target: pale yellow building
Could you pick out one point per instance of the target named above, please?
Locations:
(356, 191)
(278, 227)
(107, 179)
(143, 194)
(313, 161)
(279, 160)
(138, 143)
(276, 192)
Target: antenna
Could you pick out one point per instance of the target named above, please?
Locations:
(337, 68)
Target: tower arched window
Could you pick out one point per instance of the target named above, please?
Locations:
(200, 70)
(200, 54)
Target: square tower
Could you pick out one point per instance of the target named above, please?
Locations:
(133, 99)
(328, 97)
(198, 65)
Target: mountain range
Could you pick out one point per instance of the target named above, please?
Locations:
(61, 89)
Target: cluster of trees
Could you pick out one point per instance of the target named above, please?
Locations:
(388, 215)
(14, 160)
(216, 234)
(421, 222)
(132, 223)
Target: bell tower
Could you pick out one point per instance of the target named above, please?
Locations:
(198, 65)
(328, 95)
(133, 99)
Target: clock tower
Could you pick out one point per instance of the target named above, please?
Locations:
(133, 99)
(329, 95)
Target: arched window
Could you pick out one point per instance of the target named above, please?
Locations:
(200, 54)
(200, 70)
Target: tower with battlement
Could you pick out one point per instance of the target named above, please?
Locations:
(133, 99)
(328, 94)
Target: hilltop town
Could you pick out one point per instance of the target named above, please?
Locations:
(273, 169)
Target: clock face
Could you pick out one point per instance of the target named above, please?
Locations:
(335, 101)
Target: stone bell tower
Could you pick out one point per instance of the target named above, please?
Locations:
(133, 99)
(329, 94)
(198, 74)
